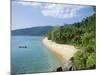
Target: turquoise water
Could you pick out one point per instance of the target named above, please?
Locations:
(33, 59)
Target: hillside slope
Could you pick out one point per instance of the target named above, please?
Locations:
(34, 31)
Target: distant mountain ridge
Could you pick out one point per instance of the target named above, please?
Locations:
(33, 31)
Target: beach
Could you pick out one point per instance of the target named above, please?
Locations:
(63, 50)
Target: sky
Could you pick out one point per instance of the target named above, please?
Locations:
(32, 14)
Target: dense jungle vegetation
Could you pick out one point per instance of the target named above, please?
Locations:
(81, 35)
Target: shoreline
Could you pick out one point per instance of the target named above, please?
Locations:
(64, 51)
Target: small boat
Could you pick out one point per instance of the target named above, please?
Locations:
(22, 46)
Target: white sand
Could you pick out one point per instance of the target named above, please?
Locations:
(65, 51)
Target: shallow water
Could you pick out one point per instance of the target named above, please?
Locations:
(33, 59)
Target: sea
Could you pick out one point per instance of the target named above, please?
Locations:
(33, 58)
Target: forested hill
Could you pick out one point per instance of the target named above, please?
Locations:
(34, 31)
(82, 35)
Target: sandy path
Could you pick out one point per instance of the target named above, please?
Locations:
(65, 51)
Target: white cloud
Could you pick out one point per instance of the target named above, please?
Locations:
(34, 4)
(61, 10)
(55, 10)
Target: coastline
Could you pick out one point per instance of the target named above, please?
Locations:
(64, 51)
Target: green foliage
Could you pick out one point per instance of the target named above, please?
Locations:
(82, 35)
(79, 60)
(91, 61)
